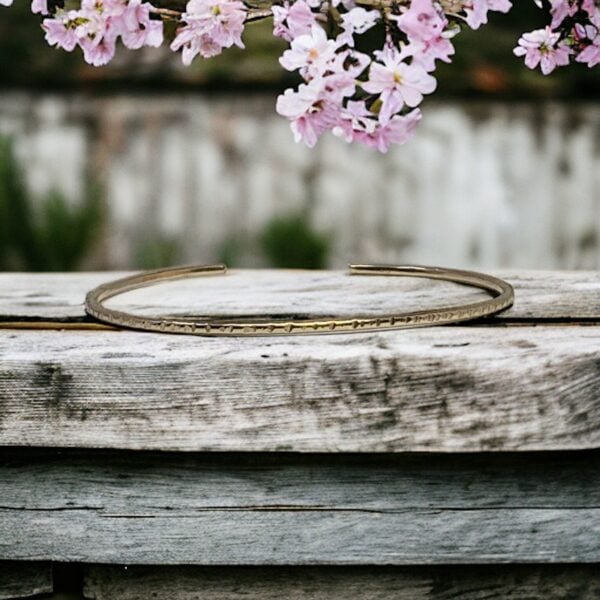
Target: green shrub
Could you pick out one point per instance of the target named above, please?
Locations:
(290, 242)
(156, 252)
(45, 234)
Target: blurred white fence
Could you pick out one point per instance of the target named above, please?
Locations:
(483, 185)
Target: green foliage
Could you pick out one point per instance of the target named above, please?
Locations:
(232, 250)
(45, 234)
(290, 242)
(157, 252)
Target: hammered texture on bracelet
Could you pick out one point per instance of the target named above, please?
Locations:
(502, 297)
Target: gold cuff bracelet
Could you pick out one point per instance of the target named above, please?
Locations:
(501, 291)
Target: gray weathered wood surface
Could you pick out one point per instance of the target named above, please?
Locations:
(148, 508)
(540, 295)
(331, 583)
(526, 380)
(21, 579)
(443, 389)
(450, 389)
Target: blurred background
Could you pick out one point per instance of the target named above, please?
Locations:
(146, 163)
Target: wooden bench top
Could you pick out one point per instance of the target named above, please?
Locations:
(340, 466)
(528, 379)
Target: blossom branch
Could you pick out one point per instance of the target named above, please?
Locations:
(371, 98)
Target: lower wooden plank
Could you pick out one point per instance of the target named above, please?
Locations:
(150, 508)
(576, 582)
(24, 579)
(444, 389)
(298, 536)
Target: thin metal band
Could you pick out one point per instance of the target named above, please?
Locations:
(501, 291)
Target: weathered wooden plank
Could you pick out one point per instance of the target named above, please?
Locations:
(566, 295)
(518, 582)
(24, 579)
(296, 536)
(149, 508)
(439, 389)
(136, 482)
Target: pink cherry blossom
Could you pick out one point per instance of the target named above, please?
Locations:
(477, 10)
(308, 110)
(573, 32)
(592, 7)
(97, 26)
(590, 55)
(425, 25)
(137, 29)
(355, 22)
(210, 26)
(398, 82)
(292, 20)
(356, 122)
(398, 130)
(422, 20)
(309, 53)
(542, 47)
(61, 30)
(366, 97)
(38, 7)
(560, 10)
(99, 51)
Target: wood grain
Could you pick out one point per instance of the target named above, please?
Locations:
(557, 295)
(292, 536)
(516, 582)
(449, 389)
(24, 579)
(463, 389)
(171, 509)
(45, 479)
